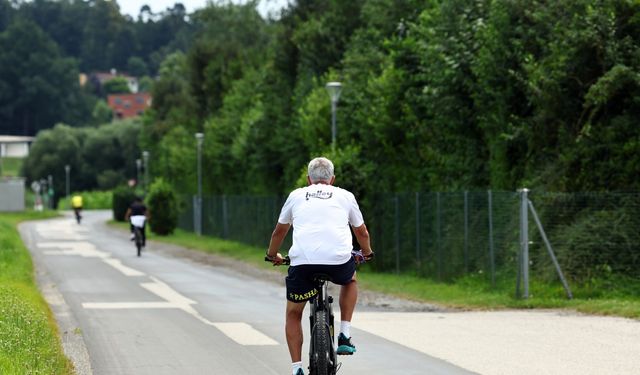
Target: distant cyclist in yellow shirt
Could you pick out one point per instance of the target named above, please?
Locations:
(76, 203)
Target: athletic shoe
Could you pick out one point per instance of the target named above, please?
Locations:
(300, 372)
(345, 347)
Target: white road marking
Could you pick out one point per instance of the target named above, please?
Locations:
(87, 250)
(165, 292)
(240, 332)
(58, 230)
(83, 249)
(127, 305)
(244, 334)
(117, 264)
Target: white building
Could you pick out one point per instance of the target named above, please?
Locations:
(14, 146)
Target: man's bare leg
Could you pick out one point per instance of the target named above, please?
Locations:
(348, 299)
(293, 329)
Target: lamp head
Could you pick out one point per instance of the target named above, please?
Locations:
(334, 89)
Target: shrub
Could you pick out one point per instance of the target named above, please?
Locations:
(122, 198)
(163, 205)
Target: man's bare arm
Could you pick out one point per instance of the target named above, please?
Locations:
(362, 235)
(278, 235)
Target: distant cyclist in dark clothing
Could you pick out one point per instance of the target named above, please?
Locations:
(138, 214)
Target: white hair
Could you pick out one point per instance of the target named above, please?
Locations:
(320, 169)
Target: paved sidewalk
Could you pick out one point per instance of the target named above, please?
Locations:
(515, 342)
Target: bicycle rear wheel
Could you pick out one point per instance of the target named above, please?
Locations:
(138, 239)
(321, 356)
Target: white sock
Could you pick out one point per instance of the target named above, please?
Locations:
(345, 328)
(295, 366)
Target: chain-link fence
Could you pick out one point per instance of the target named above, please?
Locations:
(594, 235)
(444, 236)
(242, 218)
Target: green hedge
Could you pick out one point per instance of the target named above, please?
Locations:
(163, 205)
(122, 198)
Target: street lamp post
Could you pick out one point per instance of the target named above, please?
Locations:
(67, 170)
(334, 89)
(138, 167)
(43, 193)
(198, 209)
(50, 192)
(145, 158)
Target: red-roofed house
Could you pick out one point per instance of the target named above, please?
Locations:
(128, 105)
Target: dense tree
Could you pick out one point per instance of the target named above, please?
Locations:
(38, 86)
(101, 157)
(118, 85)
(438, 95)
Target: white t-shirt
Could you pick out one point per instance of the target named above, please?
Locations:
(321, 215)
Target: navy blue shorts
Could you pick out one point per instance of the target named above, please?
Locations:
(300, 284)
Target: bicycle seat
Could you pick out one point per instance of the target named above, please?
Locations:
(321, 277)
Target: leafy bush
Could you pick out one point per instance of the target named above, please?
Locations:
(163, 205)
(122, 198)
(598, 244)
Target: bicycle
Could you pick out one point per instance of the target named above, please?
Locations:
(322, 348)
(78, 215)
(138, 225)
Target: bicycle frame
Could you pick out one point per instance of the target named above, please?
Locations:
(322, 357)
(137, 232)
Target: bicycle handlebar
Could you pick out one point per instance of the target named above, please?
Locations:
(285, 262)
(357, 255)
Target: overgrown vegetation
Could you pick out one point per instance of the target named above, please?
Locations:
(29, 342)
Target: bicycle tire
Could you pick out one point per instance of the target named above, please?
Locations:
(321, 358)
(138, 237)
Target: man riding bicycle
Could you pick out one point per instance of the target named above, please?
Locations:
(76, 203)
(320, 214)
(137, 214)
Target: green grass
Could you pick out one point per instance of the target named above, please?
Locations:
(10, 166)
(472, 292)
(29, 342)
(91, 200)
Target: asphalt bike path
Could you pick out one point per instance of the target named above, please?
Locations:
(163, 314)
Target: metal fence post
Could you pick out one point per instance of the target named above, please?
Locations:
(524, 241)
(196, 215)
(550, 250)
(397, 232)
(418, 255)
(438, 245)
(492, 260)
(225, 218)
(466, 231)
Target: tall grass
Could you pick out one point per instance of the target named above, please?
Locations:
(29, 342)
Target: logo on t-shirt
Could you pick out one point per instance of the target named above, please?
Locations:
(319, 194)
